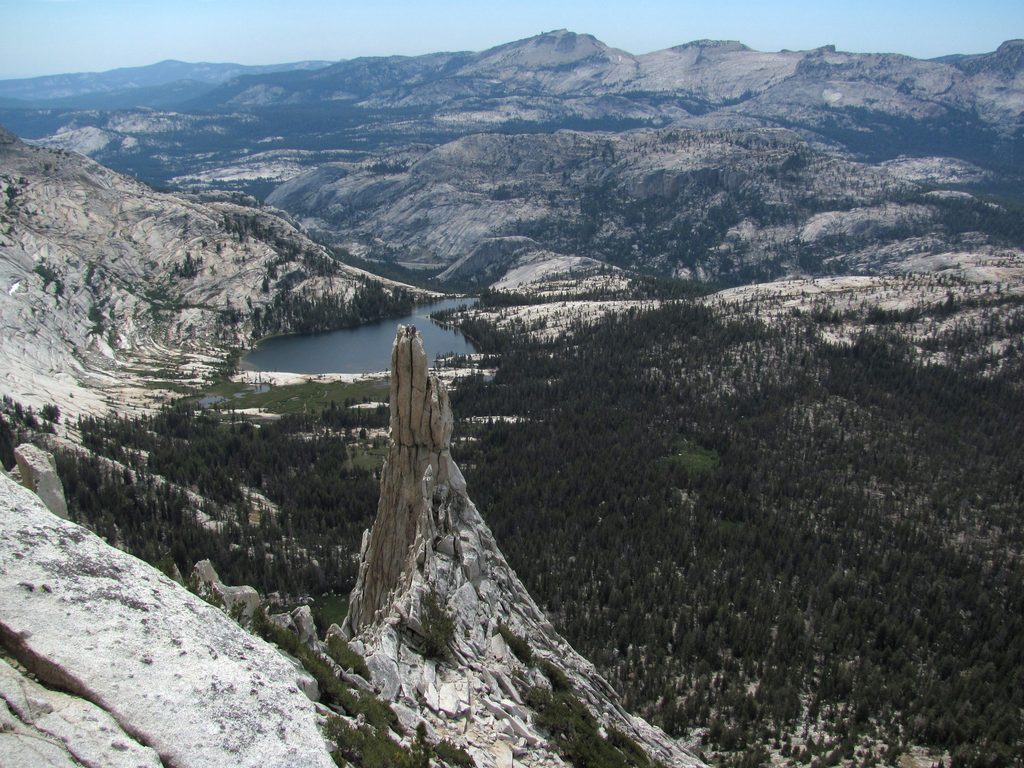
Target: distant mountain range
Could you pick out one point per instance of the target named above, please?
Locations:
(412, 158)
(578, 73)
(156, 85)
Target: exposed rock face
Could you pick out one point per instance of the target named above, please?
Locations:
(506, 209)
(418, 462)
(103, 279)
(239, 602)
(40, 727)
(39, 474)
(428, 551)
(173, 671)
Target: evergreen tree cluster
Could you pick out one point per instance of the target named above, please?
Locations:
(183, 485)
(305, 311)
(754, 532)
(309, 312)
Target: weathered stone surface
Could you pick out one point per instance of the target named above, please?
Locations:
(239, 602)
(39, 474)
(306, 682)
(176, 673)
(385, 675)
(453, 699)
(78, 729)
(306, 627)
(28, 749)
(410, 720)
(418, 461)
(334, 631)
(284, 621)
(429, 539)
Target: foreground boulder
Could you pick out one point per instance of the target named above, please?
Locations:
(174, 672)
(448, 631)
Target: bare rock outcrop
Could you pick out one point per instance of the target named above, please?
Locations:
(431, 564)
(39, 474)
(418, 461)
(175, 673)
(240, 603)
(45, 728)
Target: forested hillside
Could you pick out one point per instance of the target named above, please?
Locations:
(280, 505)
(768, 540)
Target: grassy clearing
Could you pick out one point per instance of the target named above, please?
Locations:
(370, 457)
(692, 460)
(308, 397)
(226, 388)
(313, 396)
(330, 609)
(165, 385)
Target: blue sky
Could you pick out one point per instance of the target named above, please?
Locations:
(51, 36)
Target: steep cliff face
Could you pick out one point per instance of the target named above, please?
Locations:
(436, 608)
(104, 281)
(418, 463)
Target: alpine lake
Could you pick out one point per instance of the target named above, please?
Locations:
(364, 350)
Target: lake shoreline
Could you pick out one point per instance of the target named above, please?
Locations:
(362, 350)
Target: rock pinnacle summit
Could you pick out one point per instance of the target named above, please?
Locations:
(429, 554)
(418, 467)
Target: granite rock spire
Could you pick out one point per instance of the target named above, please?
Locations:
(429, 551)
(418, 465)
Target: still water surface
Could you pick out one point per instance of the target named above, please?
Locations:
(365, 349)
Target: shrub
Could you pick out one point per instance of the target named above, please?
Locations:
(438, 628)
(450, 754)
(332, 690)
(557, 678)
(365, 747)
(576, 735)
(518, 646)
(345, 657)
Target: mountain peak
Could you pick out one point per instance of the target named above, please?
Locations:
(1006, 61)
(419, 463)
(549, 49)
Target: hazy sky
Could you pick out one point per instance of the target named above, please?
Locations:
(51, 36)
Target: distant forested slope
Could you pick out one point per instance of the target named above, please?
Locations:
(766, 536)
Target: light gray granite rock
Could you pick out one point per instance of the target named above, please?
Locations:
(175, 673)
(240, 603)
(39, 474)
(306, 627)
(86, 733)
